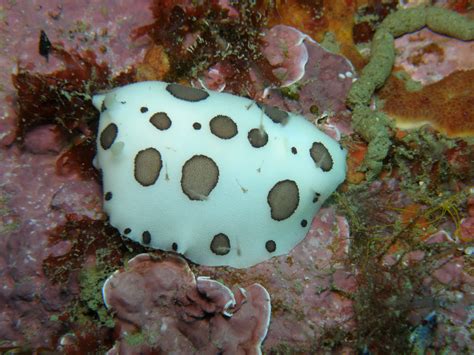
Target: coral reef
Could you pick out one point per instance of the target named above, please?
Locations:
(387, 264)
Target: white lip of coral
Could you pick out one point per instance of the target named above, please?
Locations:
(304, 61)
(267, 320)
(202, 83)
(104, 287)
(231, 303)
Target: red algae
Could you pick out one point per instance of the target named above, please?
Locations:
(368, 17)
(62, 97)
(447, 104)
(78, 160)
(196, 37)
(84, 237)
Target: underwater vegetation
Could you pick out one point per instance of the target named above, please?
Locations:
(386, 266)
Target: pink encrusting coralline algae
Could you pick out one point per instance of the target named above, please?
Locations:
(385, 264)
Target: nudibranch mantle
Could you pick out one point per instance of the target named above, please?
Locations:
(219, 178)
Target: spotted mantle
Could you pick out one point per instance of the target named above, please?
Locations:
(221, 179)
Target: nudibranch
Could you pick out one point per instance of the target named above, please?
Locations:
(219, 178)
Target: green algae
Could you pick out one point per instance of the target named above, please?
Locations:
(375, 128)
(450, 23)
(375, 73)
(437, 19)
(91, 281)
(410, 84)
(8, 220)
(135, 339)
(286, 348)
(384, 299)
(380, 228)
(427, 149)
(291, 92)
(298, 287)
(89, 307)
(405, 21)
(379, 68)
(330, 43)
(332, 338)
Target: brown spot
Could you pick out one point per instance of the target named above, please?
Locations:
(283, 199)
(419, 56)
(223, 127)
(314, 109)
(127, 231)
(147, 166)
(143, 109)
(220, 244)
(304, 223)
(146, 237)
(186, 93)
(362, 32)
(293, 150)
(275, 114)
(196, 125)
(103, 107)
(316, 197)
(161, 121)
(257, 137)
(108, 135)
(199, 177)
(108, 196)
(320, 154)
(270, 245)
(174, 246)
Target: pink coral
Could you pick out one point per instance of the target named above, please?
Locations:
(161, 303)
(285, 50)
(322, 79)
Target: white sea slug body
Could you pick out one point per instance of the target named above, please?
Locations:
(213, 176)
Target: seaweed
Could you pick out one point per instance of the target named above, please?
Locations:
(379, 68)
(195, 38)
(390, 228)
(86, 237)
